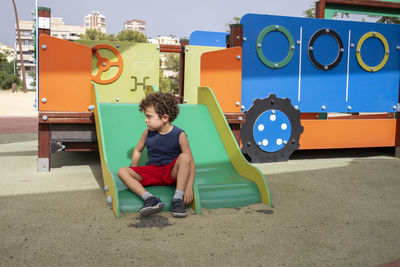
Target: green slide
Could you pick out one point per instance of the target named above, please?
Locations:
(223, 177)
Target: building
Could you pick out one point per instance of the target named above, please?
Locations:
(63, 31)
(135, 25)
(57, 29)
(167, 40)
(28, 46)
(95, 20)
(8, 51)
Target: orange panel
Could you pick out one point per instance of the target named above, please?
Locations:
(222, 71)
(64, 75)
(322, 134)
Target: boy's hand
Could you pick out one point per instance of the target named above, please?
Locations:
(188, 196)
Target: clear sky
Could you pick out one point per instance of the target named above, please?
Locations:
(171, 17)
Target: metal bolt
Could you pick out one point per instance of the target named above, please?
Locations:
(259, 45)
(352, 45)
(34, 105)
(106, 188)
(118, 45)
(285, 142)
(238, 57)
(158, 48)
(326, 30)
(398, 47)
(374, 33)
(372, 69)
(242, 107)
(238, 37)
(244, 39)
(109, 199)
(296, 107)
(104, 64)
(276, 26)
(248, 143)
(292, 47)
(273, 111)
(323, 107)
(117, 99)
(184, 101)
(240, 118)
(341, 49)
(394, 107)
(349, 107)
(298, 42)
(187, 49)
(311, 48)
(387, 52)
(44, 100)
(293, 141)
(325, 67)
(358, 50)
(44, 118)
(275, 65)
(44, 47)
(259, 143)
(63, 147)
(237, 103)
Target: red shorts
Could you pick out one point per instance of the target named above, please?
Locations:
(156, 175)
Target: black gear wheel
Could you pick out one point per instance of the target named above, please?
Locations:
(251, 149)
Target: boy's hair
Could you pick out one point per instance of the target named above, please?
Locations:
(163, 103)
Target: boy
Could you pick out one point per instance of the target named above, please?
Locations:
(170, 159)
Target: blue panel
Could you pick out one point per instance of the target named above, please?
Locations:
(208, 38)
(344, 88)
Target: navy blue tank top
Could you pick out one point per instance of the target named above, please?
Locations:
(162, 149)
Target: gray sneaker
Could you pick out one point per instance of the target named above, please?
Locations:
(151, 205)
(178, 208)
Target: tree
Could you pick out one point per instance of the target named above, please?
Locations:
(7, 76)
(389, 20)
(93, 34)
(132, 36)
(172, 62)
(310, 13)
(235, 20)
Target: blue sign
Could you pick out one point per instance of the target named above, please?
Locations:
(204, 38)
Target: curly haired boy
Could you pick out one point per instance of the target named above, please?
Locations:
(170, 160)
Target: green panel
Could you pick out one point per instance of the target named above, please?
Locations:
(192, 70)
(140, 60)
(331, 9)
(219, 185)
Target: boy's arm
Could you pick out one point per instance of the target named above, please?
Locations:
(185, 148)
(137, 152)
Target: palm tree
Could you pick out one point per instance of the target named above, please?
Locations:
(20, 47)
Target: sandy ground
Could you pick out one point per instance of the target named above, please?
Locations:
(330, 208)
(17, 104)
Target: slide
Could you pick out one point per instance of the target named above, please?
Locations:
(223, 177)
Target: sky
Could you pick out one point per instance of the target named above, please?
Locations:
(173, 17)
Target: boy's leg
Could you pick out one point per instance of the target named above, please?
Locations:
(180, 172)
(131, 179)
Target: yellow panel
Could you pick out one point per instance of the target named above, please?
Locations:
(140, 69)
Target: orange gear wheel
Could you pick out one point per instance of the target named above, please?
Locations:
(103, 64)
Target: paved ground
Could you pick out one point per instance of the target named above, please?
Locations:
(330, 208)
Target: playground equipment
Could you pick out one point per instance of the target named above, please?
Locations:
(281, 83)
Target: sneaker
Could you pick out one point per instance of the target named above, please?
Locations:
(178, 208)
(151, 205)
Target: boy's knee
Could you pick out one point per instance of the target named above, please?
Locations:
(121, 171)
(185, 158)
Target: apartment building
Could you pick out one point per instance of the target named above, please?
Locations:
(95, 20)
(135, 25)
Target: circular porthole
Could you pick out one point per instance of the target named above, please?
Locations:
(260, 53)
(339, 55)
(358, 51)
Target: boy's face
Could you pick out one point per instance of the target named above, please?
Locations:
(153, 121)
